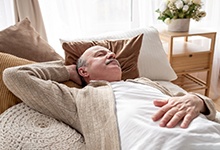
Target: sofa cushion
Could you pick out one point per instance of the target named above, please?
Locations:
(7, 99)
(23, 41)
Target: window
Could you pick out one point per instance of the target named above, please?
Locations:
(73, 18)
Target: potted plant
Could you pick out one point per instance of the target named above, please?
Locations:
(177, 13)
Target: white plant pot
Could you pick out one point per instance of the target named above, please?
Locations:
(179, 25)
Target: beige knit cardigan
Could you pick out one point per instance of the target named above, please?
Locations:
(91, 110)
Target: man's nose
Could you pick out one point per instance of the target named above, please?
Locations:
(111, 55)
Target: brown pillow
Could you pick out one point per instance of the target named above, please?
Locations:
(23, 41)
(126, 50)
(7, 99)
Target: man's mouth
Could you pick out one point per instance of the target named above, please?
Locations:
(112, 60)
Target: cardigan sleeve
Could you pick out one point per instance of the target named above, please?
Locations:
(210, 106)
(38, 86)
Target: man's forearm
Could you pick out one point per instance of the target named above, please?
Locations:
(54, 70)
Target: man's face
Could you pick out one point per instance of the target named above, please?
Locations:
(101, 65)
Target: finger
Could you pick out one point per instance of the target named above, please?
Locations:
(187, 120)
(176, 119)
(168, 116)
(160, 102)
(159, 114)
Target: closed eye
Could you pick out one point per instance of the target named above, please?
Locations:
(100, 53)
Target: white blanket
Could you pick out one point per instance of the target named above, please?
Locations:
(134, 104)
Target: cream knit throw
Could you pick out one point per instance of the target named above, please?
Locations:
(23, 128)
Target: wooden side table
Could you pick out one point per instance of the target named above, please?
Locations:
(188, 57)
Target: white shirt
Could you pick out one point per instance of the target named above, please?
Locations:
(134, 105)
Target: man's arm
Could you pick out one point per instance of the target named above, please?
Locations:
(184, 108)
(37, 85)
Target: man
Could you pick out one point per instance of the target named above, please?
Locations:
(91, 110)
(109, 70)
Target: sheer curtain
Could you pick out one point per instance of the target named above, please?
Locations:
(70, 19)
(6, 13)
(211, 21)
(33, 13)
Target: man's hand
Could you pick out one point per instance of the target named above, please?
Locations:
(177, 109)
(73, 74)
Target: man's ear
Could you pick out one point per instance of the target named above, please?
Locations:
(82, 72)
